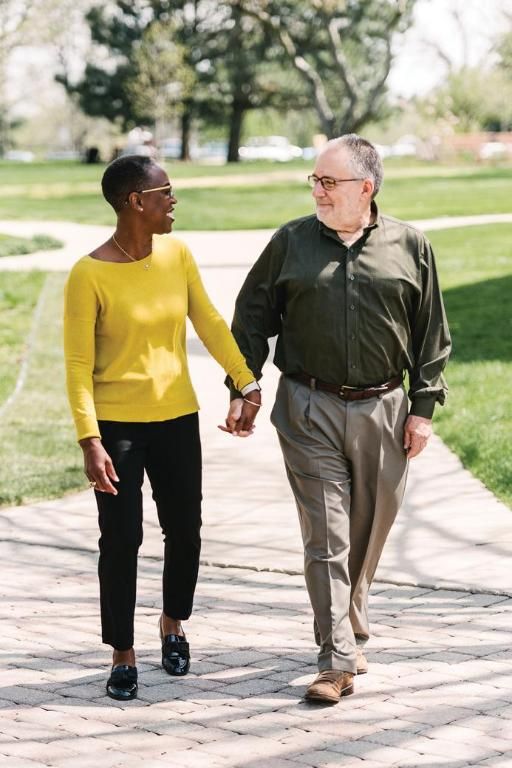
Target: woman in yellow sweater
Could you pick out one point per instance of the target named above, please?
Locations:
(134, 407)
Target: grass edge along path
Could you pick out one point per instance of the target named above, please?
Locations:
(11, 245)
(266, 203)
(38, 453)
(19, 295)
(475, 269)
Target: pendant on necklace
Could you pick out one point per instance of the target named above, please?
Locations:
(146, 266)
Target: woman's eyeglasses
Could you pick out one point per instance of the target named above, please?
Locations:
(166, 187)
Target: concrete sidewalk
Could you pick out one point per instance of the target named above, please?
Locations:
(209, 248)
(439, 690)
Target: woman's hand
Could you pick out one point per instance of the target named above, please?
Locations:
(241, 414)
(98, 465)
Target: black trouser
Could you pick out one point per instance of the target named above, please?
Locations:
(170, 452)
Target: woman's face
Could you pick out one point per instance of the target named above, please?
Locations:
(157, 201)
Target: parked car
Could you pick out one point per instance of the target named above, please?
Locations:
(214, 152)
(147, 150)
(492, 150)
(309, 153)
(169, 148)
(19, 156)
(62, 154)
(276, 148)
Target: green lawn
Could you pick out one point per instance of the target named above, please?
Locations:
(19, 292)
(71, 192)
(475, 266)
(15, 246)
(38, 454)
(46, 174)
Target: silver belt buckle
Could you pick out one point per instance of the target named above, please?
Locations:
(342, 389)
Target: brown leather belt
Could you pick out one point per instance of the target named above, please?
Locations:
(348, 393)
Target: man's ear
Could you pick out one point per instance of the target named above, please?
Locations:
(368, 187)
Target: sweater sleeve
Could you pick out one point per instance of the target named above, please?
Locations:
(80, 311)
(212, 328)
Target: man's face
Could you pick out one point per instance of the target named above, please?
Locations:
(343, 205)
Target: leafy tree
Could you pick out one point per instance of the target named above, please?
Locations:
(342, 50)
(164, 82)
(197, 60)
(133, 51)
(251, 72)
(473, 99)
(504, 49)
(103, 89)
(15, 19)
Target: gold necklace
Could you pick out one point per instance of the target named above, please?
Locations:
(132, 258)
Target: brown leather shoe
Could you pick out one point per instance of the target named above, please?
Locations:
(361, 661)
(330, 685)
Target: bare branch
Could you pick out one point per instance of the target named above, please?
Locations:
(304, 68)
(445, 58)
(377, 89)
(462, 31)
(334, 27)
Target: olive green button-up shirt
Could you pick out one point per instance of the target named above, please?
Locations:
(356, 315)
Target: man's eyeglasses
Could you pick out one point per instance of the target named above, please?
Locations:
(327, 182)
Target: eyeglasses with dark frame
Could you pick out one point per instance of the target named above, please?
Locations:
(328, 182)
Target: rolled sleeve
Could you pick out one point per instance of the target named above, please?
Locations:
(431, 342)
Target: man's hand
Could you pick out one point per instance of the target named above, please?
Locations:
(98, 465)
(241, 414)
(417, 431)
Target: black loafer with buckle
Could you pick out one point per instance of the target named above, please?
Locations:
(175, 655)
(122, 683)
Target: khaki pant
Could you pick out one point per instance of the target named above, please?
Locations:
(347, 469)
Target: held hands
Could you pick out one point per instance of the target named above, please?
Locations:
(417, 431)
(98, 466)
(241, 414)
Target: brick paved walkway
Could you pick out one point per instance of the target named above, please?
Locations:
(438, 693)
(439, 690)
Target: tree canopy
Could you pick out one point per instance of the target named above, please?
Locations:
(214, 61)
(342, 50)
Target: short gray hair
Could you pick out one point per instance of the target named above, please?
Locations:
(365, 159)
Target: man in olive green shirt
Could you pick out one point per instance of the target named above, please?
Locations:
(353, 298)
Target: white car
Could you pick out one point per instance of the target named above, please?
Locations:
(276, 148)
(19, 156)
(491, 150)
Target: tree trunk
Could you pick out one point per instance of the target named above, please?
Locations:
(186, 126)
(238, 110)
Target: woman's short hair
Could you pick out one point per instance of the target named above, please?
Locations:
(126, 174)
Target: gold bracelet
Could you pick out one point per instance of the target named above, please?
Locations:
(258, 405)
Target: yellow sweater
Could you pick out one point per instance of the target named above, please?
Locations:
(124, 337)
